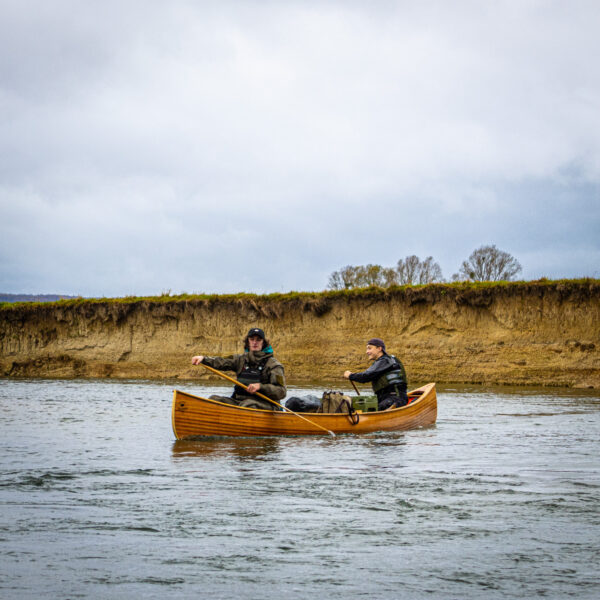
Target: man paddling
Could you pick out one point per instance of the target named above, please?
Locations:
(257, 369)
(386, 374)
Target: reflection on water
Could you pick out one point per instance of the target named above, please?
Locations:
(498, 500)
(242, 448)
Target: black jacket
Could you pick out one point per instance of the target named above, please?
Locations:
(382, 365)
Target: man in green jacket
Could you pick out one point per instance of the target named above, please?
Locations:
(257, 369)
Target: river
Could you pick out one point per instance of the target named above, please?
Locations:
(500, 499)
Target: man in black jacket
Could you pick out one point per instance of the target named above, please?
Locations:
(386, 374)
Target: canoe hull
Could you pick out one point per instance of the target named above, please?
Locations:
(194, 416)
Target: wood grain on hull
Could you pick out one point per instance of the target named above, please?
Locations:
(194, 416)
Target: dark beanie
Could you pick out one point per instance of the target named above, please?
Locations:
(377, 342)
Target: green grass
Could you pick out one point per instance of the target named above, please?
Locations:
(441, 288)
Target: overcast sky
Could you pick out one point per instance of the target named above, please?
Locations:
(227, 146)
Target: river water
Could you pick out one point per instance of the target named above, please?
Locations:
(500, 499)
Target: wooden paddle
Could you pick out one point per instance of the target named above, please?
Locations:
(354, 386)
(221, 374)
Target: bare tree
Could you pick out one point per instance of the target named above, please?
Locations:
(361, 276)
(407, 269)
(336, 282)
(343, 279)
(429, 271)
(389, 276)
(488, 263)
(411, 270)
(373, 275)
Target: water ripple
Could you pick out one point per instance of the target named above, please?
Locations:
(498, 500)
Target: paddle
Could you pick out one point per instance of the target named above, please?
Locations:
(354, 386)
(221, 374)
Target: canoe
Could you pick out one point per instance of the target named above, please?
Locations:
(194, 416)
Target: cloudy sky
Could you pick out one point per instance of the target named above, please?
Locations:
(223, 146)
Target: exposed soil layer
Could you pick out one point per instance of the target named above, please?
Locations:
(537, 333)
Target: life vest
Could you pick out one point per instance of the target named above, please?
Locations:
(251, 373)
(395, 379)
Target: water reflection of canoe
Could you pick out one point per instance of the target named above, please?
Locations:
(195, 416)
(219, 447)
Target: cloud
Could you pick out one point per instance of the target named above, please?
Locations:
(259, 146)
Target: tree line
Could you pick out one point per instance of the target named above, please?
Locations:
(486, 263)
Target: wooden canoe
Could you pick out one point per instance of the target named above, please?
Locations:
(193, 416)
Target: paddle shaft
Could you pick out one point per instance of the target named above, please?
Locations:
(221, 374)
(354, 386)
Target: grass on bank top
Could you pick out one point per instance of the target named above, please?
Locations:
(292, 295)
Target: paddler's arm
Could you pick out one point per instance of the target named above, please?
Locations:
(216, 362)
(360, 377)
(275, 389)
(373, 372)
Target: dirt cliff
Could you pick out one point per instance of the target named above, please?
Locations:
(536, 333)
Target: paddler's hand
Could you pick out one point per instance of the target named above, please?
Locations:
(347, 374)
(196, 360)
(253, 387)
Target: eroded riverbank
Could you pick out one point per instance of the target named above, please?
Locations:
(536, 333)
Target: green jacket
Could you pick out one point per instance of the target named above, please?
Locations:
(272, 377)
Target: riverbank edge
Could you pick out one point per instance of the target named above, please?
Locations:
(541, 333)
